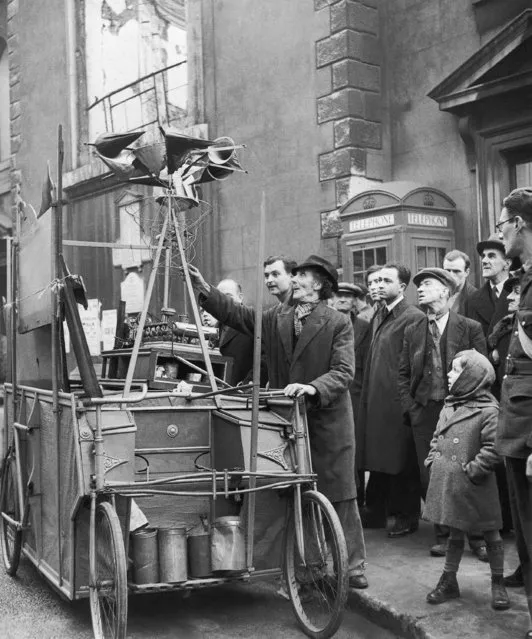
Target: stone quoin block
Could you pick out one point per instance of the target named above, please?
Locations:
(357, 132)
(373, 106)
(348, 44)
(341, 104)
(15, 143)
(341, 163)
(352, 73)
(15, 110)
(350, 14)
(12, 8)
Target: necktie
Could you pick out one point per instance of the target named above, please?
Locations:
(495, 292)
(434, 330)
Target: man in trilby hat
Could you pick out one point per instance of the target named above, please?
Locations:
(309, 351)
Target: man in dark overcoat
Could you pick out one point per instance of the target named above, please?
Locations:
(428, 352)
(389, 451)
(514, 430)
(495, 268)
(309, 351)
(345, 301)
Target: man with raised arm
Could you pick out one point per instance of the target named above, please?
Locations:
(309, 351)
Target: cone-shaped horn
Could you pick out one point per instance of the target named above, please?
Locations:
(125, 166)
(152, 156)
(110, 145)
(178, 146)
(150, 180)
(215, 172)
(222, 150)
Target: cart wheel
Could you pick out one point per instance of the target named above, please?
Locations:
(317, 583)
(108, 596)
(11, 538)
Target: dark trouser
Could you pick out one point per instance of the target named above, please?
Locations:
(504, 498)
(520, 488)
(397, 495)
(361, 488)
(423, 420)
(349, 516)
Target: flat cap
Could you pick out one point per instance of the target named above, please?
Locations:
(323, 265)
(347, 287)
(436, 273)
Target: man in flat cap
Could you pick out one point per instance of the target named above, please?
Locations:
(345, 300)
(309, 350)
(482, 303)
(427, 355)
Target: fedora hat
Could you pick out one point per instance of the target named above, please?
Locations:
(353, 289)
(492, 242)
(435, 273)
(510, 283)
(321, 264)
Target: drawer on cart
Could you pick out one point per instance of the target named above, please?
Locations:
(171, 428)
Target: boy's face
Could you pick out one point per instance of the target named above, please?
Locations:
(455, 372)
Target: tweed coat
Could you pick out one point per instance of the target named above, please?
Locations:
(323, 356)
(461, 334)
(481, 307)
(386, 435)
(462, 490)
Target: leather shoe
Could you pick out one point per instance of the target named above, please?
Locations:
(402, 527)
(499, 596)
(481, 553)
(515, 580)
(438, 550)
(447, 588)
(358, 581)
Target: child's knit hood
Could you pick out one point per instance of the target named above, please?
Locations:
(474, 381)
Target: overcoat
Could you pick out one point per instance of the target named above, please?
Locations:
(481, 307)
(386, 435)
(362, 334)
(462, 490)
(323, 356)
(462, 299)
(514, 435)
(461, 334)
(239, 346)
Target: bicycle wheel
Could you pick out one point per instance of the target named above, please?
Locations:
(11, 538)
(108, 595)
(318, 582)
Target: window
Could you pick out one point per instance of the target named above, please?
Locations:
(520, 165)
(366, 257)
(429, 256)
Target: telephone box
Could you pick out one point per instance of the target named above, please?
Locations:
(396, 222)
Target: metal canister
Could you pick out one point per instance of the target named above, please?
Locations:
(228, 545)
(199, 555)
(172, 554)
(145, 556)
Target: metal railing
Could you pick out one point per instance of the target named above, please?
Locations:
(156, 98)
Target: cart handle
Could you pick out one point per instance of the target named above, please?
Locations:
(133, 399)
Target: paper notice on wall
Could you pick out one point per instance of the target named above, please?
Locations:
(132, 293)
(90, 320)
(108, 329)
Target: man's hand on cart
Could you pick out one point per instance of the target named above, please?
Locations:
(198, 282)
(296, 390)
(529, 468)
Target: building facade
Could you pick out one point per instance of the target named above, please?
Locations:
(368, 124)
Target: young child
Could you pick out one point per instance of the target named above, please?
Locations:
(462, 491)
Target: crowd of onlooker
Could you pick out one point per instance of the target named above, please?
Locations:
(440, 393)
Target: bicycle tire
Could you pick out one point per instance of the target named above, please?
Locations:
(108, 595)
(10, 537)
(317, 587)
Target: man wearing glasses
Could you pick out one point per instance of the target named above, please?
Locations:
(514, 435)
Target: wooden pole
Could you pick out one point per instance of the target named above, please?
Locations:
(143, 315)
(256, 387)
(195, 310)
